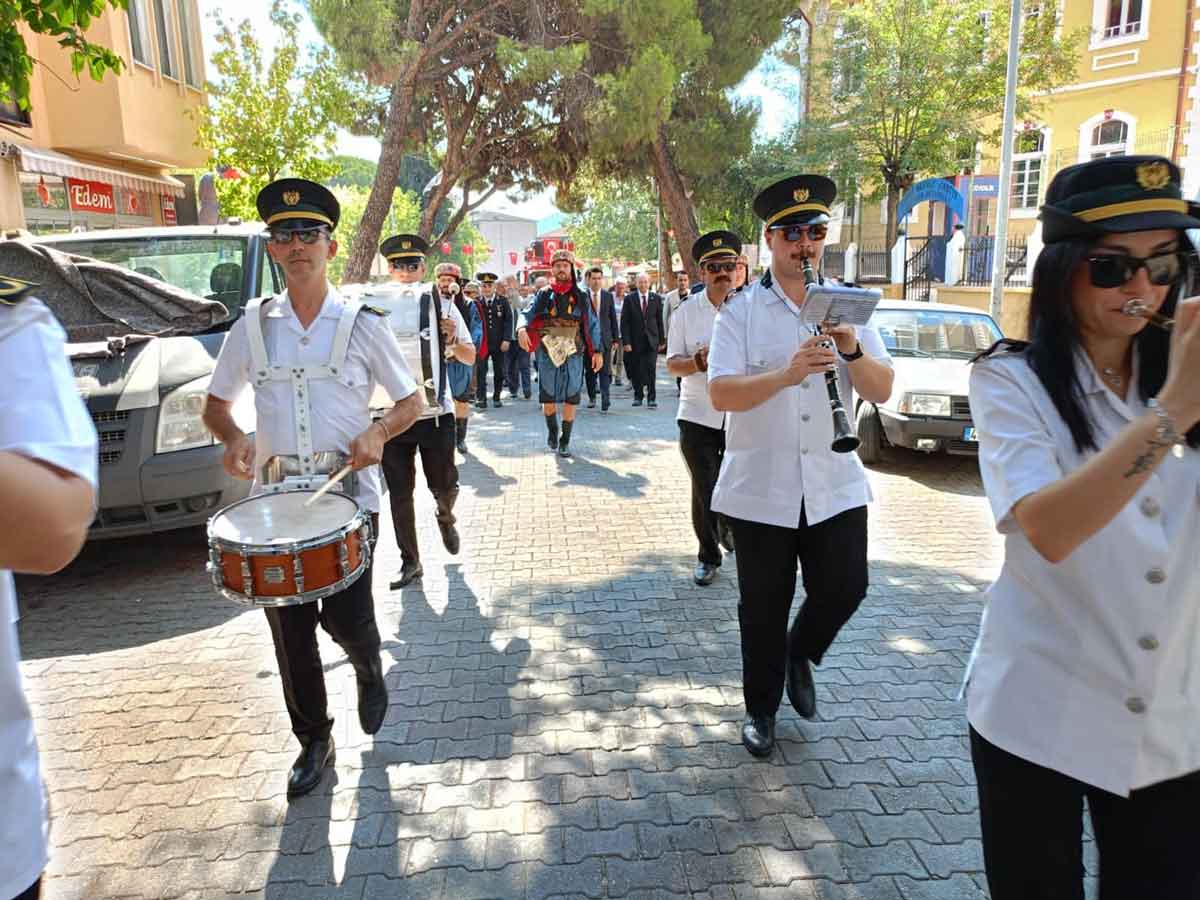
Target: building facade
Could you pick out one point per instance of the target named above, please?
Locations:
(89, 154)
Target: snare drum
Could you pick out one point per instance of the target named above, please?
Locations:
(272, 550)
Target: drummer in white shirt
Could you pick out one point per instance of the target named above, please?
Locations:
(299, 328)
(701, 427)
(786, 494)
(1085, 680)
(47, 501)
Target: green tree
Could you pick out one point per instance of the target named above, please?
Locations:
(420, 54)
(67, 20)
(905, 84)
(271, 119)
(727, 196)
(616, 221)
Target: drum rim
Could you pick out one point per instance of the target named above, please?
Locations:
(265, 602)
(254, 549)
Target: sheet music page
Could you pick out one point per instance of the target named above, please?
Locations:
(846, 306)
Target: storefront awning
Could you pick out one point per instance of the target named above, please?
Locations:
(51, 162)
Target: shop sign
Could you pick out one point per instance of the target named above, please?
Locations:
(91, 196)
(168, 210)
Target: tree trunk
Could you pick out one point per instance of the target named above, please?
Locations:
(675, 201)
(436, 198)
(893, 204)
(366, 240)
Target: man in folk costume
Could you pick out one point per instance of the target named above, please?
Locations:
(432, 334)
(461, 376)
(559, 326)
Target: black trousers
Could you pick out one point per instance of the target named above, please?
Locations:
(603, 378)
(497, 360)
(833, 561)
(518, 370)
(349, 618)
(703, 448)
(1032, 819)
(640, 364)
(434, 439)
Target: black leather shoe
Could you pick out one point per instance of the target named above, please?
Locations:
(637, 402)
(652, 404)
(372, 694)
(604, 408)
(310, 766)
(758, 735)
(449, 537)
(800, 688)
(496, 403)
(591, 404)
(704, 574)
(462, 446)
(409, 573)
(725, 536)
(563, 450)
(481, 404)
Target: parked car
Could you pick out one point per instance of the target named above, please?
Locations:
(931, 346)
(160, 468)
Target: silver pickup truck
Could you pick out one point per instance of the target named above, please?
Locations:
(160, 468)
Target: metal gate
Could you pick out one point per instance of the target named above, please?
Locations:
(924, 267)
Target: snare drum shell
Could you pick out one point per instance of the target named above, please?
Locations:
(274, 574)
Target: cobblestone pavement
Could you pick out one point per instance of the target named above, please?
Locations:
(565, 705)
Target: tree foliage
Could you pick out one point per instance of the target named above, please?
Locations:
(904, 85)
(66, 20)
(271, 119)
(616, 219)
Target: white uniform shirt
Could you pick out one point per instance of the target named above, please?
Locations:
(403, 303)
(692, 328)
(777, 455)
(339, 405)
(1090, 666)
(41, 417)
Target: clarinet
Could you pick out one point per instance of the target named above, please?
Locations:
(844, 438)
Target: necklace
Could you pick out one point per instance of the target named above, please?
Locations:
(1113, 376)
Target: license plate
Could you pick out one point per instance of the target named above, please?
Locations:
(969, 434)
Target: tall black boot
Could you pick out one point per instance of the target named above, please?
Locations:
(552, 431)
(565, 439)
(460, 433)
(446, 520)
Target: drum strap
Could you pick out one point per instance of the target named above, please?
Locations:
(427, 301)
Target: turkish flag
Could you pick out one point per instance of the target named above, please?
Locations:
(512, 257)
(43, 192)
(445, 248)
(468, 250)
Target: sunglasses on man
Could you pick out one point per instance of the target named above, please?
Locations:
(282, 237)
(471, 293)
(715, 267)
(793, 233)
(406, 266)
(1110, 270)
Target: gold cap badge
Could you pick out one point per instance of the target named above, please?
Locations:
(716, 242)
(800, 194)
(291, 198)
(406, 245)
(1153, 176)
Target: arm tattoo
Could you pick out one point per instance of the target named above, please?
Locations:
(1147, 459)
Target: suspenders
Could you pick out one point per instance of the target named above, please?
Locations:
(299, 376)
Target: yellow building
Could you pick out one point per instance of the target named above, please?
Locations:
(93, 154)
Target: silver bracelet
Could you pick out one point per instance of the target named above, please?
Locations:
(1166, 433)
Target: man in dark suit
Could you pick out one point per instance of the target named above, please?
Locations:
(643, 336)
(606, 314)
(501, 330)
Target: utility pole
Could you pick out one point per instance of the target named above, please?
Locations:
(1004, 192)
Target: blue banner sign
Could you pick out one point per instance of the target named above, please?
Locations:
(937, 190)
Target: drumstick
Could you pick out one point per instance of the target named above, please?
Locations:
(328, 486)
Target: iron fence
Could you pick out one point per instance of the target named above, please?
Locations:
(872, 262)
(833, 263)
(978, 252)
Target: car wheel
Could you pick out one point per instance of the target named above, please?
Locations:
(870, 434)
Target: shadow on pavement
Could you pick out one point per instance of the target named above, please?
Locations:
(937, 471)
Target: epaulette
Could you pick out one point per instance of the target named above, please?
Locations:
(377, 310)
(765, 281)
(13, 290)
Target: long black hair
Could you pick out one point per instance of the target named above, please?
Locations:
(1054, 336)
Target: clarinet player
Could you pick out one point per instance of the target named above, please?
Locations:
(787, 495)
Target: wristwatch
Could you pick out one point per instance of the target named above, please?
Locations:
(851, 357)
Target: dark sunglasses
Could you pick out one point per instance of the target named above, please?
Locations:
(283, 237)
(410, 266)
(471, 293)
(793, 233)
(716, 267)
(1110, 270)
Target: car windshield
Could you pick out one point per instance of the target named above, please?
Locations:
(205, 265)
(941, 333)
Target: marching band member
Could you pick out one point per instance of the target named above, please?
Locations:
(433, 336)
(309, 339)
(786, 494)
(560, 319)
(701, 427)
(1085, 680)
(449, 281)
(48, 476)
